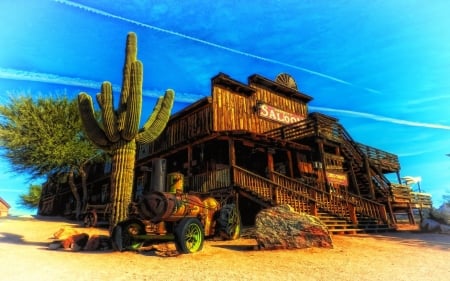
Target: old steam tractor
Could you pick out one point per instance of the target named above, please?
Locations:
(166, 213)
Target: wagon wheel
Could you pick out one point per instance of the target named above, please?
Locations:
(229, 222)
(189, 236)
(123, 235)
(90, 219)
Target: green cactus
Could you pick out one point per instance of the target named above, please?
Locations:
(119, 131)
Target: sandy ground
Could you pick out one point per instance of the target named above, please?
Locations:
(401, 255)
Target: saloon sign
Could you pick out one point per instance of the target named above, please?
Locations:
(337, 178)
(273, 113)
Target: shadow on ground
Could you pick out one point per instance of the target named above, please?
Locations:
(415, 238)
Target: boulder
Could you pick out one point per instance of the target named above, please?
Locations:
(445, 229)
(283, 228)
(429, 225)
(76, 242)
(98, 242)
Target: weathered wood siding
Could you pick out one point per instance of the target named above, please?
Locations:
(179, 130)
(237, 111)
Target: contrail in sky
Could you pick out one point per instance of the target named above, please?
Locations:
(381, 118)
(13, 74)
(316, 73)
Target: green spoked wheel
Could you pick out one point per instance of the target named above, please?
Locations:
(189, 236)
(123, 235)
(229, 222)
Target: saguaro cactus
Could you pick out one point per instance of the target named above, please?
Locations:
(119, 131)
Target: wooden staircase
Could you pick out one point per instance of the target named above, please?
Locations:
(340, 212)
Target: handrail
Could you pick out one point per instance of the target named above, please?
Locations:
(325, 200)
(340, 199)
(377, 154)
(265, 188)
(208, 181)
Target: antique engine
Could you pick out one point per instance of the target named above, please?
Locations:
(158, 207)
(167, 213)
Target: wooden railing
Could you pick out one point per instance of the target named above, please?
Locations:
(325, 200)
(380, 157)
(301, 129)
(421, 199)
(339, 202)
(369, 208)
(206, 182)
(267, 189)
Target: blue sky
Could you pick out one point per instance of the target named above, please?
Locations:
(381, 67)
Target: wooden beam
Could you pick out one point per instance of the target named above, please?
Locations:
(291, 166)
(369, 175)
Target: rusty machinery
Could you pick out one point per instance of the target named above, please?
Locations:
(184, 218)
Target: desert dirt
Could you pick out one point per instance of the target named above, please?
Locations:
(402, 255)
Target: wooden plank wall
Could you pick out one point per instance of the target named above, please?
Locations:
(190, 126)
(236, 111)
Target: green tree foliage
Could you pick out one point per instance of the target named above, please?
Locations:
(44, 136)
(31, 199)
(446, 198)
(119, 131)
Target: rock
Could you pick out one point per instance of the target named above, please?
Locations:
(55, 245)
(76, 242)
(282, 228)
(430, 225)
(444, 229)
(98, 242)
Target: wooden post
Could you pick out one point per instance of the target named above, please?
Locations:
(270, 164)
(354, 180)
(411, 215)
(383, 213)
(231, 152)
(352, 213)
(398, 177)
(322, 160)
(270, 168)
(391, 211)
(338, 151)
(291, 167)
(313, 209)
(231, 159)
(371, 187)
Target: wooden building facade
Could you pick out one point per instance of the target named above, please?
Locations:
(4, 208)
(258, 144)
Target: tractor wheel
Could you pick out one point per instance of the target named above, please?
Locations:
(229, 222)
(189, 236)
(90, 219)
(123, 235)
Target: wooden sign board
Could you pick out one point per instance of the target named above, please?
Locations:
(276, 114)
(337, 178)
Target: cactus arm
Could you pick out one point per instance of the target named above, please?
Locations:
(133, 113)
(159, 122)
(130, 57)
(105, 100)
(91, 126)
(152, 117)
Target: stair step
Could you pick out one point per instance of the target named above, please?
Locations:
(345, 231)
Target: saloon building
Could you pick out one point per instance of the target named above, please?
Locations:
(256, 143)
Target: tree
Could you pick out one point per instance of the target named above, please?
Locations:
(119, 131)
(446, 199)
(31, 199)
(45, 136)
